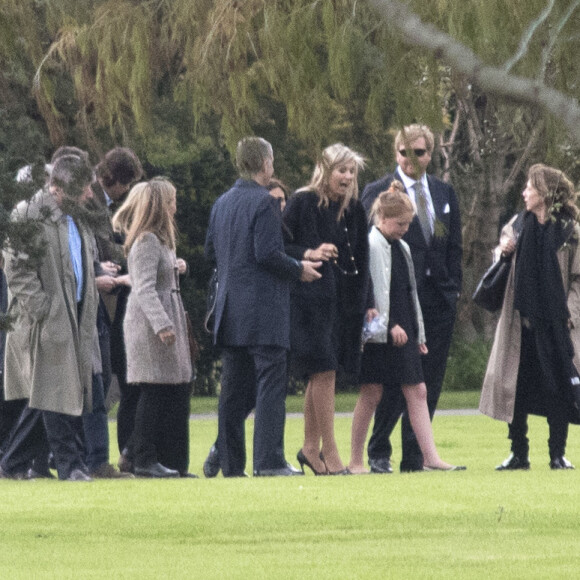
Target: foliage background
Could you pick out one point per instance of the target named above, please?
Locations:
(180, 81)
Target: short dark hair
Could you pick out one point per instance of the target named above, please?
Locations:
(120, 165)
(68, 150)
(251, 154)
(72, 174)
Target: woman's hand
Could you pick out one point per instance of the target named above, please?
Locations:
(106, 283)
(181, 266)
(423, 349)
(399, 336)
(371, 313)
(167, 336)
(507, 247)
(324, 252)
(124, 280)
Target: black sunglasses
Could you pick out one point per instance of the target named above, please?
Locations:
(417, 152)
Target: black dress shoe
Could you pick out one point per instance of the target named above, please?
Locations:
(18, 475)
(514, 462)
(155, 470)
(381, 465)
(79, 475)
(560, 463)
(280, 472)
(33, 474)
(190, 475)
(125, 462)
(211, 465)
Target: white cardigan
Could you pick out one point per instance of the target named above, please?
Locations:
(380, 267)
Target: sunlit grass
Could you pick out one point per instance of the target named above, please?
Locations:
(473, 524)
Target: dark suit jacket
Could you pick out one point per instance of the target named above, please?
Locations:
(442, 257)
(244, 239)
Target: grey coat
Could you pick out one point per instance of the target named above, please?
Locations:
(155, 304)
(49, 353)
(498, 394)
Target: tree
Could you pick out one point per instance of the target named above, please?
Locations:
(181, 81)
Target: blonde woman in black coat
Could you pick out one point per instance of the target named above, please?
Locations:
(327, 223)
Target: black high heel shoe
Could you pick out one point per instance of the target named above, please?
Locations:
(345, 471)
(303, 460)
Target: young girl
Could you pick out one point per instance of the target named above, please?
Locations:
(394, 353)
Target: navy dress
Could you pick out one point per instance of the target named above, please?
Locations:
(385, 362)
(326, 316)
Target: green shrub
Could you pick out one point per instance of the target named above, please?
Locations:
(466, 364)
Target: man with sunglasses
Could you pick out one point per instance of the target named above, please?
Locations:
(434, 237)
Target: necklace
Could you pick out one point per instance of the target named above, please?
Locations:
(354, 270)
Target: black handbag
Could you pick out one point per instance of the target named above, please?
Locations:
(491, 288)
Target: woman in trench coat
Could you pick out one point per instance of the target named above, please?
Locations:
(534, 359)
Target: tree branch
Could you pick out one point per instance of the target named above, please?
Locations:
(490, 79)
(525, 41)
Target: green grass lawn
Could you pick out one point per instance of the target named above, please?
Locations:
(472, 524)
(345, 402)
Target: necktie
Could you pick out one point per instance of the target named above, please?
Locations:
(423, 211)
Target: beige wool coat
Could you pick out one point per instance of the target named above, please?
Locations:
(49, 352)
(499, 385)
(153, 305)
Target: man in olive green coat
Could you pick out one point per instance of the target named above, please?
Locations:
(49, 352)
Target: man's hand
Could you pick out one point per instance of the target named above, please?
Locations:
(110, 268)
(309, 271)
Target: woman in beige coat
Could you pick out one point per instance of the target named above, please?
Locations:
(533, 362)
(158, 358)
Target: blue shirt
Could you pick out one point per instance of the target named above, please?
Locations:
(75, 247)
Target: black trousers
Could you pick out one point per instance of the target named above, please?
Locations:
(534, 396)
(129, 393)
(62, 432)
(439, 320)
(252, 373)
(27, 444)
(161, 432)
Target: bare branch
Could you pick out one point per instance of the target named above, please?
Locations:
(527, 37)
(547, 52)
(490, 79)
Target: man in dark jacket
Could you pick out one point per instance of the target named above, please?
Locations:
(252, 314)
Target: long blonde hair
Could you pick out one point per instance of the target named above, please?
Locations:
(333, 156)
(147, 210)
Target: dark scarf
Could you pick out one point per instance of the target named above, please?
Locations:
(539, 289)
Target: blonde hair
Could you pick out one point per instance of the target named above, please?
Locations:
(411, 133)
(147, 210)
(332, 157)
(554, 188)
(392, 203)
